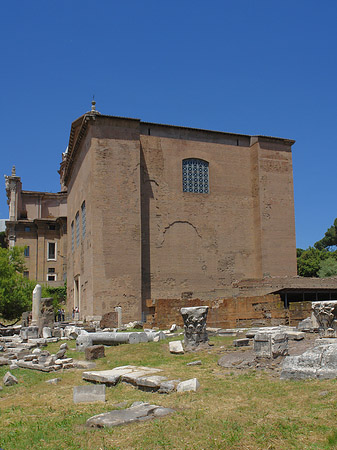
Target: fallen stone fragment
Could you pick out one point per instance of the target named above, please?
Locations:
(150, 383)
(137, 413)
(50, 360)
(37, 351)
(41, 367)
(64, 346)
(78, 364)
(112, 376)
(4, 361)
(64, 361)
(94, 352)
(61, 353)
(167, 387)
(68, 366)
(194, 363)
(176, 347)
(88, 394)
(241, 342)
(13, 366)
(188, 385)
(53, 381)
(295, 335)
(29, 357)
(9, 379)
(318, 362)
(173, 328)
(307, 325)
(46, 332)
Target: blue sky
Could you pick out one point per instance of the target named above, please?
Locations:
(251, 67)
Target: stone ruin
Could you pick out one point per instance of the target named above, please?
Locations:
(325, 313)
(321, 360)
(195, 333)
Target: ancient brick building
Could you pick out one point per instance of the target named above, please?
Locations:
(160, 211)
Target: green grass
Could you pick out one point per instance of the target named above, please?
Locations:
(231, 410)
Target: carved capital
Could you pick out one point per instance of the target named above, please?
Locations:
(195, 325)
(326, 315)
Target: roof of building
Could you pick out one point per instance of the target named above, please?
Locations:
(81, 124)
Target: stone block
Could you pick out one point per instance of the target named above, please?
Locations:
(270, 345)
(94, 352)
(318, 362)
(241, 342)
(112, 376)
(54, 381)
(109, 320)
(194, 363)
(29, 332)
(58, 333)
(167, 387)
(176, 347)
(188, 385)
(150, 383)
(46, 332)
(139, 412)
(9, 379)
(89, 394)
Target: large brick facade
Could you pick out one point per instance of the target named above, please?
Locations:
(134, 234)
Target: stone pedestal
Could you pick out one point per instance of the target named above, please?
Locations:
(270, 345)
(46, 314)
(195, 326)
(118, 310)
(325, 313)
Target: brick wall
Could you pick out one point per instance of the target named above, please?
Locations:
(267, 310)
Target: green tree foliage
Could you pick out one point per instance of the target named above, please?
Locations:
(308, 261)
(3, 243)
(320, 260)
(328, 267)
(329, 240)
(15, 289)
(59, 295)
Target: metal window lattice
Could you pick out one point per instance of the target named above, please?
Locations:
(72, 237)
(77, 223)
(195, 176)
(83, 220)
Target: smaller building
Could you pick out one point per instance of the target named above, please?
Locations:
(38, 222)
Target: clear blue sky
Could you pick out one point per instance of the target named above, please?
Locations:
(251, 67)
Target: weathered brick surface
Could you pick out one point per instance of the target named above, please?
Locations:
(109, 320)
(265, 310)
(146, 238)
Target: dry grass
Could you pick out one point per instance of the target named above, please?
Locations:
(232, 410)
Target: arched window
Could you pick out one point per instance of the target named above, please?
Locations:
(195, 176)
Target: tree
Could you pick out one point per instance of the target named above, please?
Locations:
(3, 243)
(59, 295)
(15, 289)
(328, 267)
(329, 240)
(308, 261)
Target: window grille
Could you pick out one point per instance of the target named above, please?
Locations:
(77, 222)
(26, 252)
(72, 236)
(195, 176)
(83, 220)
